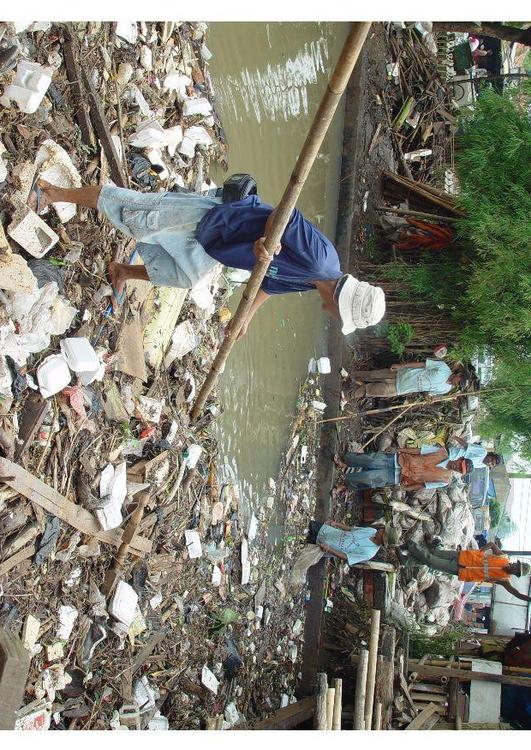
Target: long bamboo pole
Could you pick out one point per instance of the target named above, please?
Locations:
(307, 156)
(371, 672)
(336, 718)
(403, 407)
(320, 716)
(361, 687)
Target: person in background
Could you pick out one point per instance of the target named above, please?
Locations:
(475, 452)
(487, 565)
(432, 377)
(413, 468)
(355, 544)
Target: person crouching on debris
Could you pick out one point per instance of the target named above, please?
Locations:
(355, 544)
(182, 236)
(432, 377)
(427, 467)
(486, 565)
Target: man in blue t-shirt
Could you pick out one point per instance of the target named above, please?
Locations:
(432, 377)
(181, 237)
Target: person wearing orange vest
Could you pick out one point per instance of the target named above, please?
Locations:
(486, 565)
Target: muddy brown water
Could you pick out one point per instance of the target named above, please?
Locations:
(269, 79)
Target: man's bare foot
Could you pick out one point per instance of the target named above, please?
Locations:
(118, 276)
(42, 195)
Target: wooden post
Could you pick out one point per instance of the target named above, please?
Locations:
(361, 687)
(465, 675)
(336, 719)
(319, 721)
(330, 699)
(371, 672)
(308, 154)
(130, 530)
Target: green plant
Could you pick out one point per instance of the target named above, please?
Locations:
(443, 644)
(399, 336)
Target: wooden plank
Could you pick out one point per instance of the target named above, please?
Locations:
(74, 77)
(420, 720)
(429, 697)
(12, 562)
(289, 717)
(48, 498)
(336, 718)
(467, 675)
(319, 719)
(98, 119)
(330, 698)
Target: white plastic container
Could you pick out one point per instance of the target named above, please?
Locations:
(193, 544)
(124, 603)
(192, 455)
(323, 365)
(80, 355)
(198, 106)
(29, 87)
(53, 375)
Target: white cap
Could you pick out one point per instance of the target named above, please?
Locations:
(360, 304)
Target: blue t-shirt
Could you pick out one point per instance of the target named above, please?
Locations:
(356, 543)
(430, 379)
(229, 231)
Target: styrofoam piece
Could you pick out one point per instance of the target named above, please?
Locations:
(232, 716)
(88, 377)
(312, 366)
(253, 528)
(124, 73)
(198, 106)
(28, 88)
(144, 695)
(193, 544)
(192, 456)
(31, 232)
(159, 722)
(53, 375)
(184, 340)
(216, 576)
(30, 632)
(151, 135)
(206, 54)
(177, 82)
(319, 405)
(304, 454)
(67, 617)
(209, 680)
(150, 409)
(15, 274)
(113, 491)
(146, 58)
(246, 565)
(79, 354)
(124, 603)
(127, 30)
(56, 167)
(323, 365)
(192, 137)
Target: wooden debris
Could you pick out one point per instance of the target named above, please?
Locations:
(52, 501)
(420, 720)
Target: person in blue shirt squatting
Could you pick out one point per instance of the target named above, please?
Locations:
(479, 455)
(432, 377)
(182, 236)
(355, 544)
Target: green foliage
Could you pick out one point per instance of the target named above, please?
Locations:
(483, 284)
(500, 520)
(443, 644)
(399, 336)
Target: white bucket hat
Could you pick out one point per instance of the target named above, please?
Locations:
(360, 304)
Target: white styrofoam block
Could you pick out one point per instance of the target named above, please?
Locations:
(29, 86)
(31, 232)
(124, 603)
(79, 354)
(53, 375)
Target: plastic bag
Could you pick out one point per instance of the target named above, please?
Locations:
(309, 556)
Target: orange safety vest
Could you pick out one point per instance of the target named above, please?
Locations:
(475, 565)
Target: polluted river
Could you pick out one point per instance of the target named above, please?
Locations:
(268, 80)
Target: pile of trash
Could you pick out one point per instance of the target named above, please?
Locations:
(144, 597)
(419, 102)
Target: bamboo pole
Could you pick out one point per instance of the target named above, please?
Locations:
(330, 699)
(319, 719)
(310, 149)
(417, 214)
(378, 716)
(385, 427)
(371, 671)
(361, 687)
(406, 406)
(338, 697)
